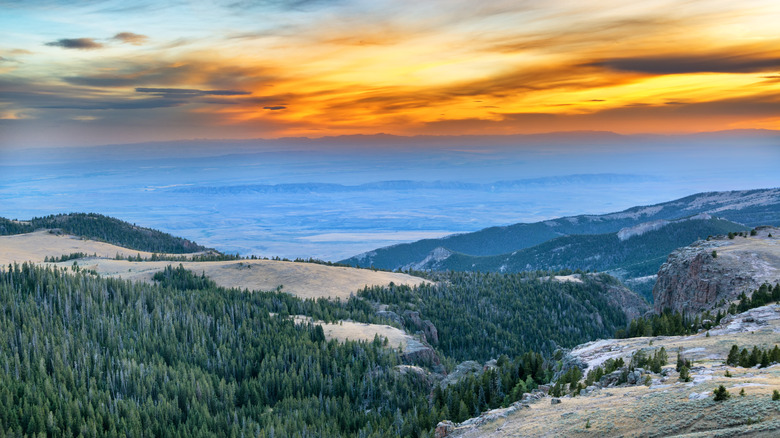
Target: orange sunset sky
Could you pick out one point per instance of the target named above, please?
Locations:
(97, 72)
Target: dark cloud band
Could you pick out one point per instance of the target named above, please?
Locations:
(679, 64)
(189, 92)
(76, 43)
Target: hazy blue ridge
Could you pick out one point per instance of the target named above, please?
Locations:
(394, 185)
(749, 208)
(636, 256)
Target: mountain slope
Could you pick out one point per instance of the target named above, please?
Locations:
(305, 280)
(748, 207)
(664, 407)
(633, 252)
(484, 315)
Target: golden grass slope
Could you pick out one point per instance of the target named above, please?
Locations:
(306, 280)
(359, 331)
(35, 247)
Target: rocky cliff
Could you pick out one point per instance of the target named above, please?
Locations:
(708, 275)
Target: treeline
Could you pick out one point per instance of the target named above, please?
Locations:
(210, 256)
(670, 323)
(756, 356)
(480, 316)
(66, 257)
(91, 356)
(183, 279)
(106, 229)
(497, 386)
(762, 296)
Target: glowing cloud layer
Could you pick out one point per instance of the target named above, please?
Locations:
(119, 71)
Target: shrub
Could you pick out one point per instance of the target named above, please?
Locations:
(776, 395)
(721, 393)
(685, 375)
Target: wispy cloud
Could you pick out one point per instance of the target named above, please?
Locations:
(130, 38)
(330, 67)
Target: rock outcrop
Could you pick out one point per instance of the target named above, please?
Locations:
(629, 301)
(426, 327)
(708, 275)
(420, 353)
(443, 429)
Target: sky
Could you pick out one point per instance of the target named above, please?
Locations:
(104, 72)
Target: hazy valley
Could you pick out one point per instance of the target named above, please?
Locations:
(448, 349)
(332, 198)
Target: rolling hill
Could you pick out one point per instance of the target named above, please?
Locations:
(306, 280)
(105, 229)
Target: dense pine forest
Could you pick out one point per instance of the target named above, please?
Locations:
(82, 355)
(480, 316)
(105, 229)
(88, 356)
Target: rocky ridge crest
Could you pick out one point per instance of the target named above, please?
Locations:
(708, 275)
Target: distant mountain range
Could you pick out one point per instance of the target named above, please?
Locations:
(635, 254)
(409, 185)
(631, 243)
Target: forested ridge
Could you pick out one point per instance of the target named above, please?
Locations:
(480, 316)
(105, 229)
(636, 256)
(82, 355)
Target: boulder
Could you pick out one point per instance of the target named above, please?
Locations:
(443, 429)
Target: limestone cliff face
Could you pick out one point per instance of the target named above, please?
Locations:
(693, 279)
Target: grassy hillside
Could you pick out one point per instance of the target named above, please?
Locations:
(750, 207)
(105, 229)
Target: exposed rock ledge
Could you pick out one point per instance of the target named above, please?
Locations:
(693, 279)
